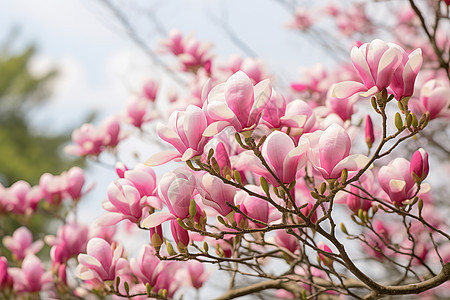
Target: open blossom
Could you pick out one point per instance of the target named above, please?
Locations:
(375, 63)
(31, 277)
(419, 165)
(102, 261)
(20, 198)
(184, 132)
(329, 152)
(434, 98)
(278, 114)
(402, 84)
(237, 103)
(395, 179)
(215, 193)
(176, 190)
(283, 157)
(124, 202)
(145, 266)
(21, 243)
(286, 240)
(150, 90)
(138, 111)
(255, 208)
(196, 273)
(90, 140)
(70, 240)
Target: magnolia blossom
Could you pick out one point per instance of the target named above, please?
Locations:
(31, 277)
(277, 114)
(236, 103)
(329, 152)
(184, 132)
(102, 261)
(325, 259)
(434, 98)
(176, 191)
(215, 193)
(375, 63)
(21, 243)
(286, 240)
(255, 208)
(419, 165)
(368, 131)
(402, 84)
(5, 278)
(145, 266)
(150, 90)
(20, 198)
(124, 202)
(283, 157)
(179, 234)
(90, 140)
(138, 111)
(70, 240)
(196, 273)
(395, 179)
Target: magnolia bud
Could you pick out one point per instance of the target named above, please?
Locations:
(419, 165)
(370, 136)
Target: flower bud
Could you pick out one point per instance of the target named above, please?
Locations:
(419, 165)
(370, 136)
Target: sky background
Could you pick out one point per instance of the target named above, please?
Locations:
(100, 66)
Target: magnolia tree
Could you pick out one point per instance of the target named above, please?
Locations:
(289, 194)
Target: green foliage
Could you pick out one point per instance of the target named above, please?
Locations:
(25, 154)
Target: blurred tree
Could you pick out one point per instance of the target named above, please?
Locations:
(25, 153)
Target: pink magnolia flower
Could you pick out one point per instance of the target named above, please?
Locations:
(184, 133)
(167, 278)
(90, 140)
(353, 199)
(53, 187)
(21, 243)
(286, 240)
(375, 63)
(329, 152)
(120, 169)
(255, 208)
(395, 179)
(138, 111)
(145, 266)
(70, 240)
(197, 273)
(31, 277)
(325, 259)
(179, 234)
(277, 114)
(75, 182)
(144, 180)
(102, 262)
(124, 202)
(283, 157)
(21, 198)
(150, 90)
(174, 42)
(5, 278)
(255, 69)
(295, 117)
(419, 165)
(236, 103)
(434, 98)
(215, 193)
(195, 55)
(302, 20)
(344, 108)
(402, 84)
(176, 190)
(368, 130)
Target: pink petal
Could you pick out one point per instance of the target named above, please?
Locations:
(156, 219)
(346, 89)
(162, 157)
